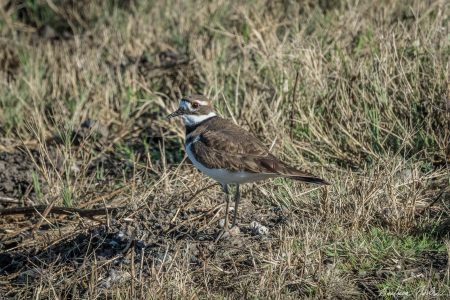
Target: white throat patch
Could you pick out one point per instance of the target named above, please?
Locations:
(191, 120)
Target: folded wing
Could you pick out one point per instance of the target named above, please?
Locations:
(234, 149)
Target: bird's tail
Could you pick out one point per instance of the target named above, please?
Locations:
(275, 166)
(296, 174)
(309, 179)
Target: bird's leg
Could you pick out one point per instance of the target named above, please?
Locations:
(225, 230)
(227, 198)
(237, 197)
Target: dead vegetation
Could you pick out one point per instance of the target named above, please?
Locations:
(354, 91)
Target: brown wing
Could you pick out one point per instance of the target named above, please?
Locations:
(223, 135)
(232, 161)
(224, 145)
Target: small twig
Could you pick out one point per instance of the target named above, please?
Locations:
(10, 200)
(59, 210)
(433, 202)
(195, 218)
(103, 197)
(141, 268)
(292, 106)
(128, 246)
(133, 270)
(44, 214)
(198, 192)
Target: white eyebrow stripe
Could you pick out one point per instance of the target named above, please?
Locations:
(202, 102)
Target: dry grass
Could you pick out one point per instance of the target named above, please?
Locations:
(84, 91)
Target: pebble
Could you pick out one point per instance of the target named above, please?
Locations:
(258, 229)
(222, 223)
(114, 277)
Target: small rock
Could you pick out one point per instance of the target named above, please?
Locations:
(160, 257)
(75, 168)
(258, 229)
(193, 249)
(88, 123)
(114, 277)
(222, 223)
(406, 175)
(30, 275)
(47, 32)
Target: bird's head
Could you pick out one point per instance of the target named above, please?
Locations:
(194, 109)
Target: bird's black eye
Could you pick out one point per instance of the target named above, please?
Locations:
(195, 105)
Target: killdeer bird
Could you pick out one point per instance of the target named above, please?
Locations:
(228, 153)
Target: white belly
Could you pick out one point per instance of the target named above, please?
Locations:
(224, 176)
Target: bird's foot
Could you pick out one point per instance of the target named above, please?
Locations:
(234, 230)
(223, 234)
(227, 232)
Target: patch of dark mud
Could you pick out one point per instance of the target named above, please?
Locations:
(62, 19)
(171, 71)
(51, 22)
(18, 175)
(9, 61)
(436, 260)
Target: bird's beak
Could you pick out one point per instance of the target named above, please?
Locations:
(178, 112)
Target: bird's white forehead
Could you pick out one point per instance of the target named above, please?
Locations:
(185, 104)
